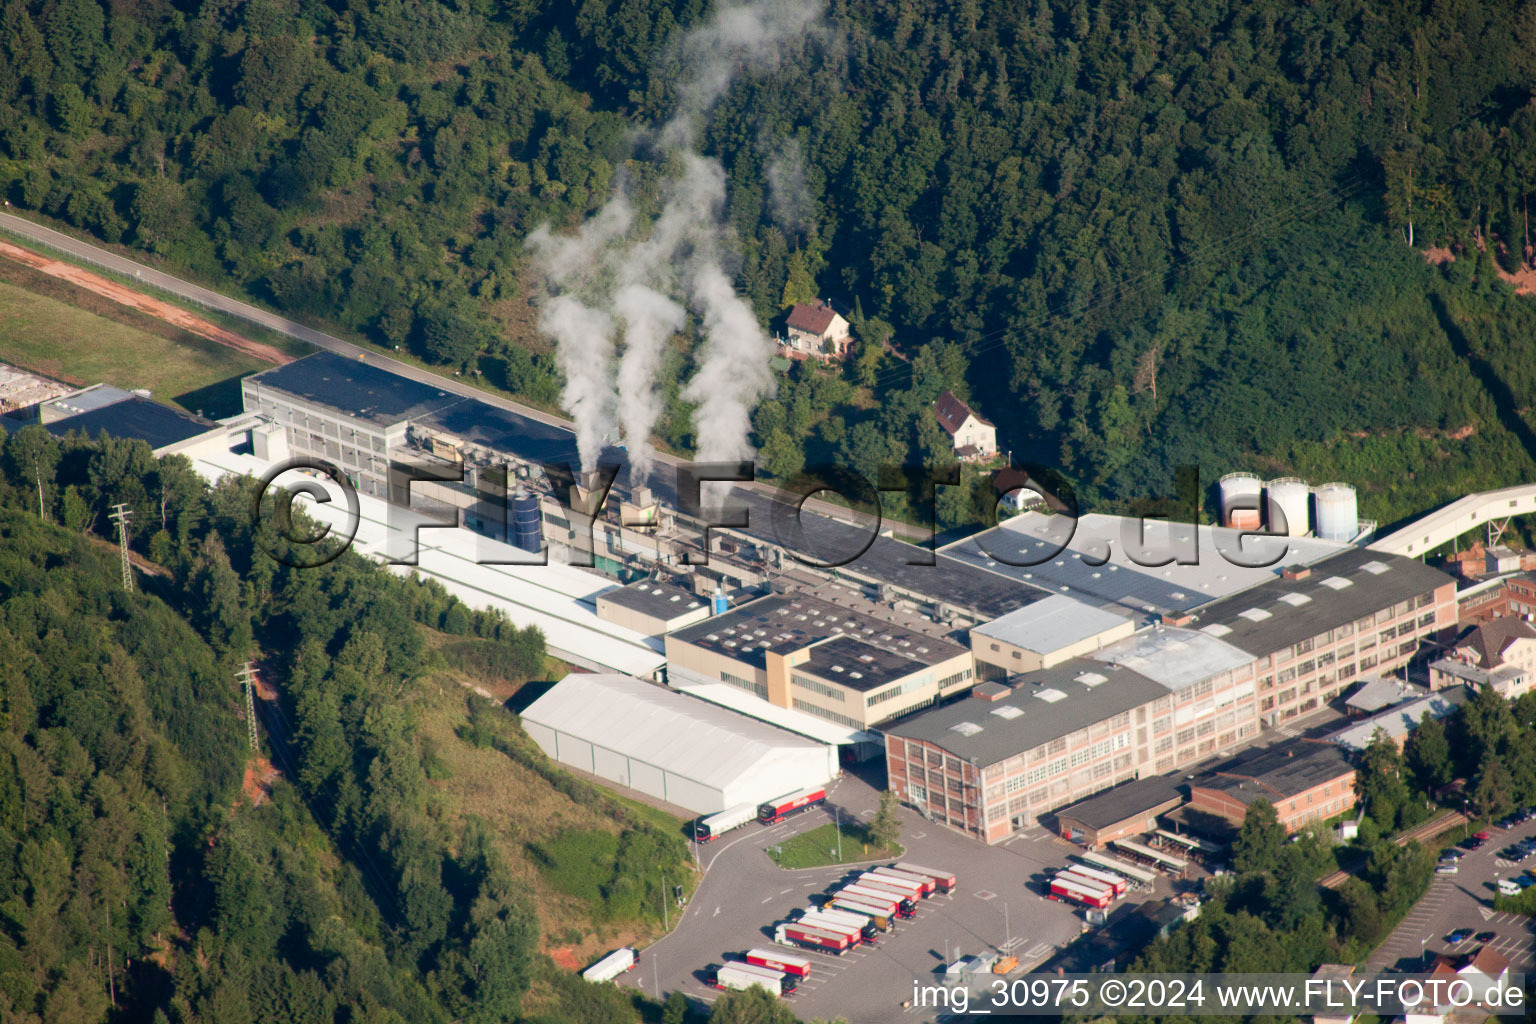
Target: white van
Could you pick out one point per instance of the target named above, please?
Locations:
(1509, 887)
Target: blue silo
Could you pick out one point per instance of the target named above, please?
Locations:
(527, 525)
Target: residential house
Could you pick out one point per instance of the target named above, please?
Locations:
(973, 438)
(816, 331)
(1499, 653)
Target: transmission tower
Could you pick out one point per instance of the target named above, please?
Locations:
(120, 515)
(248, 680)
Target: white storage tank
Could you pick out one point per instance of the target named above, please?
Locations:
(1337, 515)
(1288, 503)
(1240, 505)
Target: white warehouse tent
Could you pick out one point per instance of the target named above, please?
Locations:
(678, 748)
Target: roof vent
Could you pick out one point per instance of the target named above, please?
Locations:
(1296, 572)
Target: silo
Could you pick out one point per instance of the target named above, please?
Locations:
(1288, 502)
(719, 604)
(1240, 505)
(1337, 515)
(527, 525)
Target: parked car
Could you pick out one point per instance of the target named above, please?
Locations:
(1487, 936)
(1448, 868)
(1483, 835)
(1506, 822)
(1525, 881)
(1459, 935)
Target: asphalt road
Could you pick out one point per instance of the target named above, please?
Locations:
(189, 292)
(1465, 900)
(743, 894)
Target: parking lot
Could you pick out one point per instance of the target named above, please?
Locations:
(997, 904)
(1465, 901)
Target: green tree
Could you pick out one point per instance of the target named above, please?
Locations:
(799, 285)
(753, 1006)
(1428, 754)
(675, 1009)
(885, 830)
(1260, 839)
(1379, 782)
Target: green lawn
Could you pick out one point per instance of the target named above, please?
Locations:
(818, 848)
(59, 340)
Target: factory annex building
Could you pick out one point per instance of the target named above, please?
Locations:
(1203, 683)
(803, 652)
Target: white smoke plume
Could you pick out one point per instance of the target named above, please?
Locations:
(744, 38)
(649, 318)
(789, 200)
(603, 274)
(584, 338)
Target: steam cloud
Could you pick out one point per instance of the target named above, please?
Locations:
(608, 276)
(789, 199)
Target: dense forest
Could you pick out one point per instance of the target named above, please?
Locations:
(153, 871)
(1135, 235)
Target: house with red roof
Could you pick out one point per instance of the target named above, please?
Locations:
(973, 437)
(816, 331)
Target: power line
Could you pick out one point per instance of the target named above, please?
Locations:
(120, 515)
(247, 679)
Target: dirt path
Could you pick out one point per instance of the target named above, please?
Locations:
(143, 303)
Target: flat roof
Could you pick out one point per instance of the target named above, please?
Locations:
(1102, 558)
(97, 396)
(790, 622)
(1050, 624)
(1054, 702)
(950, 580)
(135, 417)
(1177, 658)
(737, 699)
(857, 665)
(1401, 720)
(1377, 694)
(1277, 772)
(1340, 589)
(658, 600)
(1112, 806)
(356, 388)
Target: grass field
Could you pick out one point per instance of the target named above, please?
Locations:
(819, 848)
(524, 811)
(57, 339)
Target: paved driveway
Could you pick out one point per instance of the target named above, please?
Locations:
(743, 894)
(1465, 900)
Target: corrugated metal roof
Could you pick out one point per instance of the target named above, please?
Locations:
(679, 734)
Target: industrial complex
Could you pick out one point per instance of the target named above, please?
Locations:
(1057, 670)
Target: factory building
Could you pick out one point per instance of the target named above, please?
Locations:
(1306, 781)
(346, 411)
(1135, 568)
(1118, 813)
(671, 746)
(1042, 634)
(1315, 629)
(804, 652)
(992, 764)
(652, 608)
